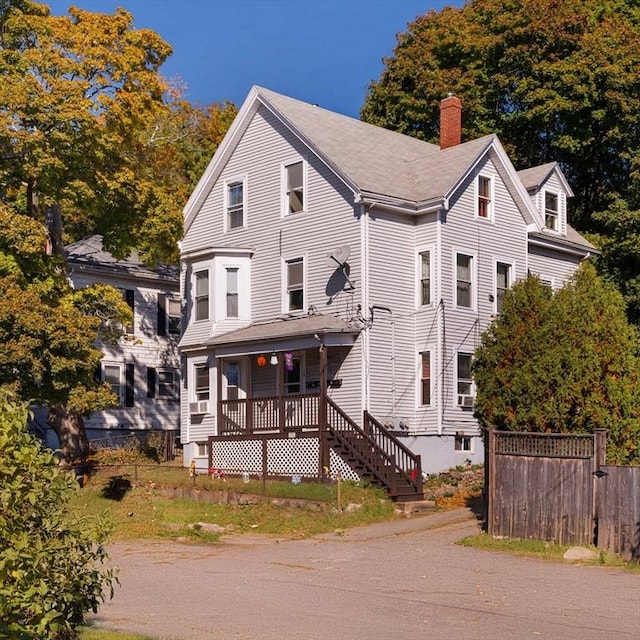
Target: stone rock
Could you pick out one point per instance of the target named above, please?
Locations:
(207, 527)
(350, 508)
(580, 553)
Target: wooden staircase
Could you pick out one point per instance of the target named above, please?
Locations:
(375, 454)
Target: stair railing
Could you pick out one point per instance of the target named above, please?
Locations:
(377, 450)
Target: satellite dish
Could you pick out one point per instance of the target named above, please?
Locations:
(339, 256)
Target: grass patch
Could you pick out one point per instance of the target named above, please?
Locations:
(139, 508)
(542, 550)
(90, 633)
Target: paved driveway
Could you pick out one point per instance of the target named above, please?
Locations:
(401, 580)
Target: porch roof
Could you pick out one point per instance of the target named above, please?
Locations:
(276, 334)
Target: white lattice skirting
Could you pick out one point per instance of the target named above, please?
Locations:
(285, 457)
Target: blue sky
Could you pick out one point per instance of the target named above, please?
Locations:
(320, 51)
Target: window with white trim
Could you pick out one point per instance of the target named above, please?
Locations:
(232, 375)
(113, 375)
(167, 383)
(174, 313)
(463, 443)
(201, 377)
(201, 288)
(203, 450)
(464, 281)
(424, 294)
(503, 282)
(232, 292)
(235, 204)
(551, 210)
(425, 378)
(294, 274)
(464, 382)
(294, 187)
(484, 202)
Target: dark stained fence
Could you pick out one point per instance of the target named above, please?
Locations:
(556, 487)
(618, 496)
(541, 486)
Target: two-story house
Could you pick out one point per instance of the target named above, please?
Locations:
(143, 371)
(324, 256)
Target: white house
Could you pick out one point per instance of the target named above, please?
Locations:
(324, 255)
(143, 372)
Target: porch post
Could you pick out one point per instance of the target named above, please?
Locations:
(219, 410)
(324, 461)
(248, 401)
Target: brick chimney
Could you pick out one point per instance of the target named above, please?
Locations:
(450, 121)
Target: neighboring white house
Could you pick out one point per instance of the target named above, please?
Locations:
(144, 372)
(312, 231)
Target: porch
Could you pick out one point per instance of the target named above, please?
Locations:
(310, 436)
(277, 412)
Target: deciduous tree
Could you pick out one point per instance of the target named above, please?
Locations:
(555, 80)
(51, 569)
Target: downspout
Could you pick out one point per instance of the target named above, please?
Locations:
(393, 357)
(364, 261)
(439, 329)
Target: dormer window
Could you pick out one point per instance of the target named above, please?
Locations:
(551, 210)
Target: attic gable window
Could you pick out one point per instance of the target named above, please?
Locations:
(484, 202)
(294, 187)
(235, 204)
(551, 210)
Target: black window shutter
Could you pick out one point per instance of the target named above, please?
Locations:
(97, 374)
(128, 391)
(129, 296)
(151, 382)
(162, 315)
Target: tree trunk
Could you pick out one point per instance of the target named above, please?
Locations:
(69, 427)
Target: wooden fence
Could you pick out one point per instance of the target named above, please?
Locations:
(556, 487)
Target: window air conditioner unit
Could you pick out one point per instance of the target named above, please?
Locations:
(465, 400)
(200, 407)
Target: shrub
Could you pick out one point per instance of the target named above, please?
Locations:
(51, 560)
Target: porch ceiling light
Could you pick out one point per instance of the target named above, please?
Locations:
(274, 359)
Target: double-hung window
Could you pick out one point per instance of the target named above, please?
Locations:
(484, 203)
(551, 210)
(202, 295)
(503, 282)
(235, 205)
(113, 376)
(232, 292)
(201, 376)
(294, 284)
(464, 281)
(425, 378)
(174, 313)
(294, 187)
(167, 383)
(464, 381)
(425, 278)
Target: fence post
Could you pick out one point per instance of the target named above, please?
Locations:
(599, 460)
(489, 477)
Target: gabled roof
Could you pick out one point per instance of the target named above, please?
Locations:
(372, 161)
(89, 254)
(534, 177)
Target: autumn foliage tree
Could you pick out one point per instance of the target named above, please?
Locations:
(92, 140)
(557, 81)
(563, 362)
(48, 332)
